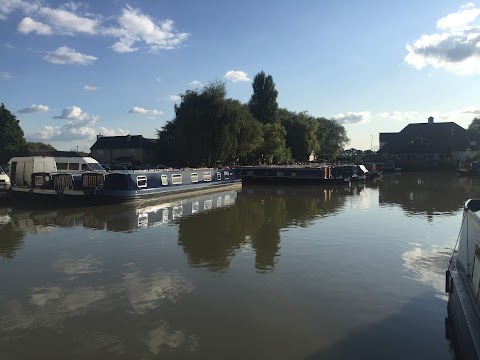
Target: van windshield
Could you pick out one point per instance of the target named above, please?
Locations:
(96, 167)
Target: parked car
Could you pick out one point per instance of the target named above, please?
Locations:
(4, 180)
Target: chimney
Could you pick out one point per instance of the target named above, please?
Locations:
(128, 137)
(430, 120)
(99, 136)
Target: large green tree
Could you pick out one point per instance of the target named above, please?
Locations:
(263, 102)
(332, 137)
(12, 139)
(301, 136)
(474, 127)
(209, 128)
(39, 146)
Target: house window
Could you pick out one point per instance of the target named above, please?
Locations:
(164, 179)
(176, 179)
(194, 177)
(131, 151)
(207, 176)
(100, 152)
(142, 181)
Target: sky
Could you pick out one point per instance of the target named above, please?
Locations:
(72, 70)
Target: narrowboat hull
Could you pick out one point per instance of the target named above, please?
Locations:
(124, 186)
(462, 284)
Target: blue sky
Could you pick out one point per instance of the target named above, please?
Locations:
(72, 70)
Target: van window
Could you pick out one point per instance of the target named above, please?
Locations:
(62, 166)
(39, 167)
(49, 167)
(85, 167)
(73, 166)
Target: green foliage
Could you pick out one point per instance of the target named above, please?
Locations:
(301, 136)
(274, 151)
(39, 146)
(474, 127)
(263, 102)
(332, 138)
(208, 128)
(12, 140)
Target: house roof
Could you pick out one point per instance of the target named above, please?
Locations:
(122, 142)
(427, 137)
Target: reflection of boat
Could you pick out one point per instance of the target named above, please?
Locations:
(463, 286)
(121, 217)
(471, 168)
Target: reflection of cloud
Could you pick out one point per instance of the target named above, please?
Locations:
(163, 335)
(429, 266)
(145, 294)
(86, 265)
(96, 341)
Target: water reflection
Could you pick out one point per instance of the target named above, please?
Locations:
(255, 221)
(427, 193)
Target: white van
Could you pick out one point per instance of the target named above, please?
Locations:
(4, 180)
(77, 164)
(20, 169)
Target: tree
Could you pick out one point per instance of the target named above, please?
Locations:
(274, 151)
(301, 136)
(474, 127)
(208, 128)
(263, 102)
(12, 140)
(332, 138)
(39, 146)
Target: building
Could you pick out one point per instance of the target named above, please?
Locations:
(134, 149)
(427, 145)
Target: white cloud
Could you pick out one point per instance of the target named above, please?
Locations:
(89, 88)
(195, 83)
(9, 6)
(112, 132)
(235, 76)
(5, 76)
(471, 110)
(352, 117)
(174, 98)
(73, 113)
(406, 116)
(65, 55)
(67, 21)
(28, 25)
(33, 109)
(455, 48)
(139, 110)
(136, 27)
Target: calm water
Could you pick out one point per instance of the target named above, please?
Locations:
(264, 273)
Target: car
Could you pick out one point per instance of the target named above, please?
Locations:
(4, 180)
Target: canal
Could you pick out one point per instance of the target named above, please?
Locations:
(263, 273)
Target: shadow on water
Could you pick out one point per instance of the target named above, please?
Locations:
(396, 337)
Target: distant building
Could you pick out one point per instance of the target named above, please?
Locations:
(134, 149)
(427, 145)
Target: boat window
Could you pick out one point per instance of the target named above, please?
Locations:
(249, 172)
(176, 179)
(73, 166)
(194, 177)
(280, 173)
(164, 179)
(226, 175)
(476, 271)
(207, 176)
(142, 181)
(219, 175)
(62, 166)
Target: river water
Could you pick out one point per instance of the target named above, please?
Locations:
(262, 273)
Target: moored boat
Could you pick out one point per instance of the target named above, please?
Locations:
(463, 287)
(295, 175)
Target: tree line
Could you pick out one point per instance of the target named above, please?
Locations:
(209, 128)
